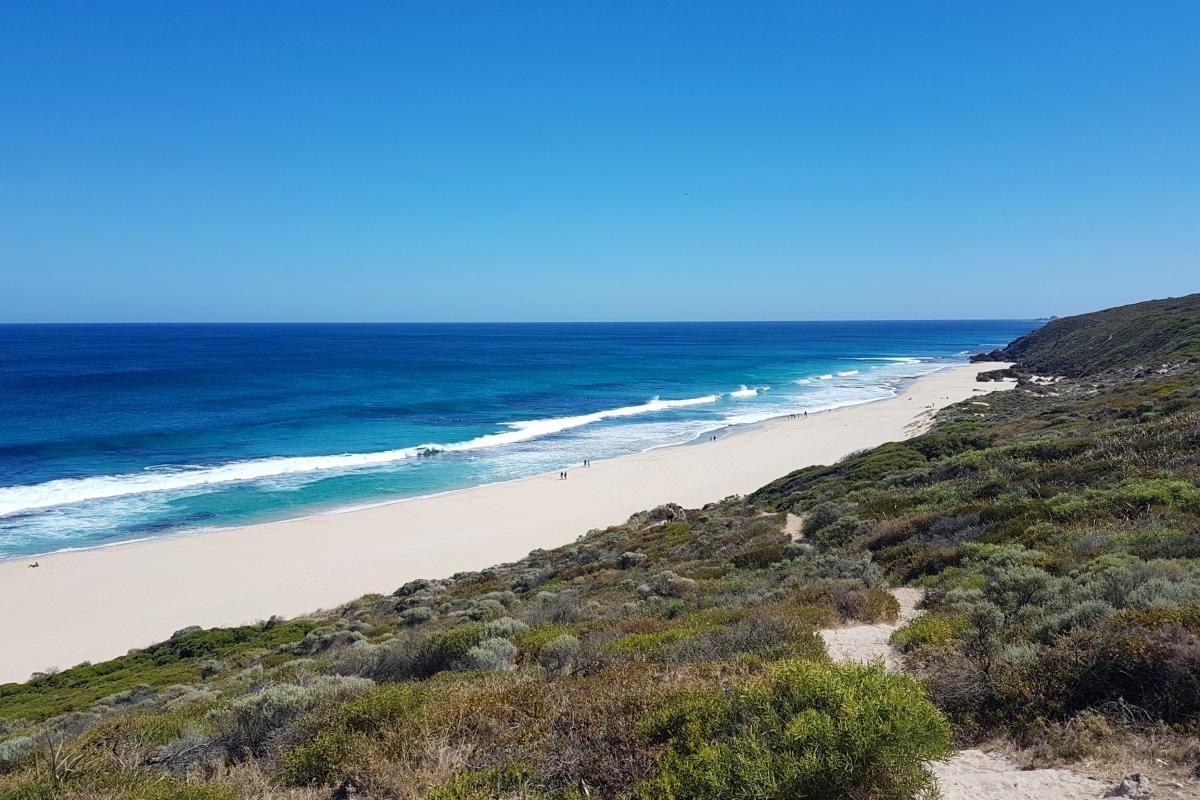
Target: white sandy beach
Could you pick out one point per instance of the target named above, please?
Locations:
(97, 604)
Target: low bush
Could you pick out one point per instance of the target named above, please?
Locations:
(808, 730)
(247, 722)
(869, 605)
(334, 732)
(112, 784)
(446, 649)
(559, 655)
(495, 654)
(504, 628)
(930, 630)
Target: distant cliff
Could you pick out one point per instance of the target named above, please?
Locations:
(1133, 337)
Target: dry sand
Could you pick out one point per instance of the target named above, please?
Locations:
(97, 604)
(974, 774)
(869, 642)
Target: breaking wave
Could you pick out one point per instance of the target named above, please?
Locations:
(65, 491)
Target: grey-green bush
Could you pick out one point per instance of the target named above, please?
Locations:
(499, 655)
(560, 655)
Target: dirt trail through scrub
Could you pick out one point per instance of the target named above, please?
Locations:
(794, 527)
(971, 774)
(974, 774)
(869, 642)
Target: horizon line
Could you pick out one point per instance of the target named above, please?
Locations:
(528, 322)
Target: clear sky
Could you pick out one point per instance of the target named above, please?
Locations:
(595, 160)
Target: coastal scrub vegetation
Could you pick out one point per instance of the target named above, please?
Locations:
(547, 677)
(1054, 528)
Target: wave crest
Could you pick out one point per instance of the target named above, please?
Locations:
(65, 491)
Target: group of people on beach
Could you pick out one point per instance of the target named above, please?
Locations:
(562, 476)
(587, 464)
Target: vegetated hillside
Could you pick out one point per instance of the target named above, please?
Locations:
(674, 655)
(1141, 335)
(1055, 528)
(1057, 531)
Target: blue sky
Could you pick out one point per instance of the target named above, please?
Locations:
(595, 161)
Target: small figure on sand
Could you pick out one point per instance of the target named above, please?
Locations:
(562, 476)
(34, 565)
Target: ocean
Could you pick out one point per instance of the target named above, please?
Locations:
(112, 433)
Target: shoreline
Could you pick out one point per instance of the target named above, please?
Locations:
(727, 429)
(151, 587)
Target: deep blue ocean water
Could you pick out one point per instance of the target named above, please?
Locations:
(117, 432)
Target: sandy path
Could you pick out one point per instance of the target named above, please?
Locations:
(869, 642)
(974, 774)
(794, 527)
(96, 604)
(970, 774)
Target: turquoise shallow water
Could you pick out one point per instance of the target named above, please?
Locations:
(116, 432)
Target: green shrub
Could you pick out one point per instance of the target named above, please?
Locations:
(320, 759)
(930, 630)
(1128, 498)
(891, 457)
(510, 780)
(761, 556)
(1158, 617)
(821, 615)
(871, 605)
(766, 637)
(175, 661)
(809, 730)
(111, 785)
(445, 649)
(535, 638)
(339, 729)
(416, 615)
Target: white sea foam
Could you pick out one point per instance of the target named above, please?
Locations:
(848, 373)
(541, 427)
(745, 392)
(895, 359)
(18, 499)
(826, 377)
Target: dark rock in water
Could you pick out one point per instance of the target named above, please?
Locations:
(996, 375)
(995, 355)
(1135, 785)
